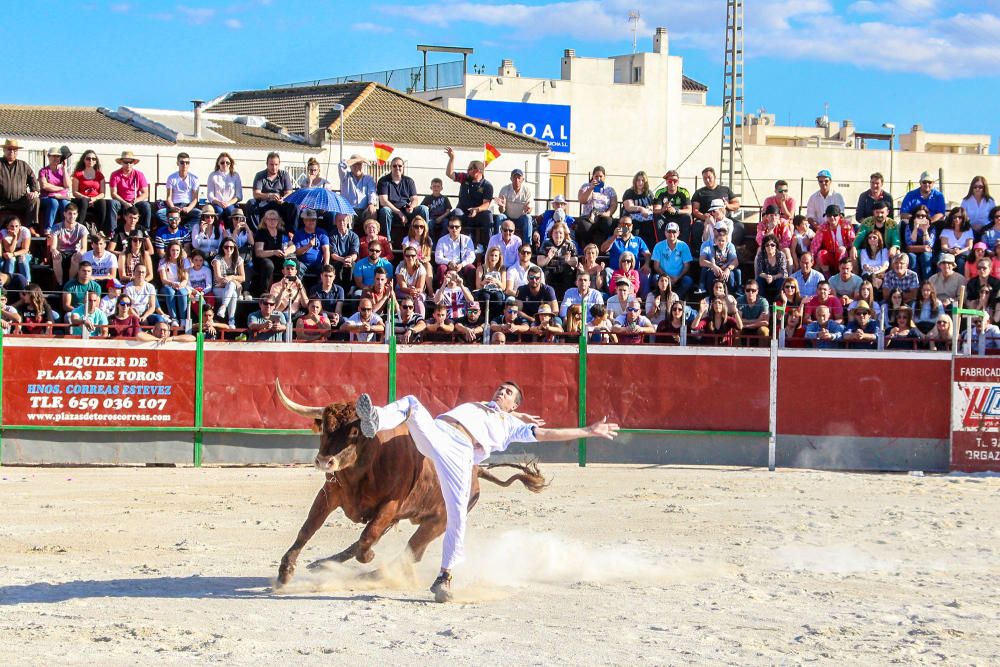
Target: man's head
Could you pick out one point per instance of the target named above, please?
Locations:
(10, 149)
(780, 187)
(161, 329)
(833, 214)
(984, 266)
(824, 179)
(290, 269)
(475, 170)
(508, 396)
(633, 308)
(880, 212)
(472, 312)
(672, 178)
(308, 218)
(93, 301)
(901, 262)
(374, 251)
(717, 209)
(625, 225)
(343, 222)
(534, 280)
(405, 307)
(327, 274)
(926, 183)
(197, 258)
(130, 215)
(267, 303)
(721, 234)
(806, 262)
(396, 167)
(356, 163)
(875, 182)
(516, 178)
(524, 254)
(454, 225)
(173, 220)
(823, 290)
(846, 267)
(84, 272)
(673, 231)
(365, 308)
(71, 213)
(559, 203)
(183, 162)
(507, 230)
(273, 163)
(708, 177)
(623, 288)
(437, 185)
(751, 290)
(381, 278)
(510, 309)
(823, 315)
(582, 282)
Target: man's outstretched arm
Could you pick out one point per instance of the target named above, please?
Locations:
(599, 429)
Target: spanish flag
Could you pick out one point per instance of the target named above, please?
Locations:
(491, 153)
(382, 152)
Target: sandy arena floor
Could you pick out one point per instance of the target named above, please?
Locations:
(610, 565)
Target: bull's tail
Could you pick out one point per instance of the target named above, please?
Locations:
(530, 476)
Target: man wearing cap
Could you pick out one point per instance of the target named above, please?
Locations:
(358, 188)
(289, 294)
(129, 187)
(718, 260)
(861, 333)
(927, 195)
(312, 245)
(545, 326)
(533, 294)
(581, 295)
(615, 306)
(267, 324)
(783, 202)
(671, 204)
(19, 191)
(717, 213)
(873, 195)
(454, 251)
(119, 243)
(475, 194)
(558, 213)
(509, 325)
(821, 200)
(631, 326)
(397, 196)
(182, 193)
(672, 257)
(270, 188)
(515, 203)
(703, 197)
(832, 240)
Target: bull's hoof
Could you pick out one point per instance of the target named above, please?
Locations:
(284, 576)
(366, 556)
(441, 588)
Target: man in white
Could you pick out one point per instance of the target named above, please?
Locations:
(515, 201)
(459, 439)
(507, 241)
(454, 251)
(822, 198)
(358, 188)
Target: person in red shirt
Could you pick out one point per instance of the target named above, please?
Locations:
(833, 239)
(824, 297)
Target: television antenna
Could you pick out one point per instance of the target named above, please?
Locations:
(633, 18)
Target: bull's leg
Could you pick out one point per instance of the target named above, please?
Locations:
(374, 531)
(344, 556)
(325, 502)
(426, 532)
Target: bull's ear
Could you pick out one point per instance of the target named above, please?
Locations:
(317, 426)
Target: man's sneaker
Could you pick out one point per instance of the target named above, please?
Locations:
(367, 415)
(441, 588)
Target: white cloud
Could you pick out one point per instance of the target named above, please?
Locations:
(365, 26)
(235, 24)
(121, 7)
(196, 15)
(922, 36)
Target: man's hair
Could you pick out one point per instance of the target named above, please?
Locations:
(517, 388)
(437, 180)
(707, 170)
(130, 210)
(778, 184)
(271, 155)
(846, 260)
(83, 264)
(877, 175)
(598, 310)
(821, 283)
(750, 283)
(326, 268)
(183, 156)
(72, 206)
(672, 172)
(797, 219)
(375, 244)
(380, 270)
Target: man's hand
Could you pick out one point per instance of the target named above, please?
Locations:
(531, 419)
(603, 429)
(450, 152)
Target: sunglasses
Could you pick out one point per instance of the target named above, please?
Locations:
(750, 289)
(630, 261)
(672, 180)
(409, 254)
(406, 306)
(454, 226)
(779, 191)
(420, 226)
(365, 310)
(632, 310)
(534, 277)
(124, 303)
(374, 251)
(90, 158)
(184, 162)
(512, 310)
(128, 161)
(524, 252)
(267, 303)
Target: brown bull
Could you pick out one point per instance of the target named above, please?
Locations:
(378, 481)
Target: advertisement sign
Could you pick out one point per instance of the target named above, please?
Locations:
(79, 386)
(975, 418)
(548, 122)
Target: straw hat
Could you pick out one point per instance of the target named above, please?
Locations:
(127, 155)
(12, 143)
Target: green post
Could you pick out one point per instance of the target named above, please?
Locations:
(390, 331)
(582, 395)
(199, 384)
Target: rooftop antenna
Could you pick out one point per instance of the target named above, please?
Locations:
(633, 18)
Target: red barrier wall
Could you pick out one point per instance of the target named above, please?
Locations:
(239, 381)
(873, 396)
(692, 391)
(443, 380)
(113, 384)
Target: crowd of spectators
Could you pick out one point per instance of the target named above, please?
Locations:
(664, 266)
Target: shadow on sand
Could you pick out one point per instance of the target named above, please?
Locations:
(192, 587)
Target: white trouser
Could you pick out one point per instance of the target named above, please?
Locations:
(451, 453)
(226, 298)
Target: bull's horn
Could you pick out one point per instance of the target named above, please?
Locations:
(303, 410)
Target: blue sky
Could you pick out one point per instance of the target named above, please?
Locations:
(872, 61)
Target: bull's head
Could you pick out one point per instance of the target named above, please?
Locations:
(341, 444)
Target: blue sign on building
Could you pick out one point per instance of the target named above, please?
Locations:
(548, 122)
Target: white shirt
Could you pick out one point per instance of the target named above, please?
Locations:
(816, 207)
(979, 214)
(140, 297)
(364, 336)
(518, 275)
(182, 190)
(102, 265)
(223, 187)
(359, 193)
(492, 428)
(515, 200)
(459, 251)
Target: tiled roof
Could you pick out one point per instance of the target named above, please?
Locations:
(70, 124)
(246, 136)
(373, 111)
(689, 85)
